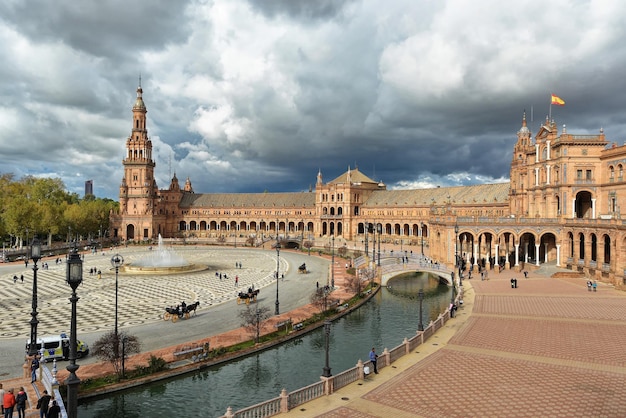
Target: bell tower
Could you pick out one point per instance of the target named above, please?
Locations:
(138, 189)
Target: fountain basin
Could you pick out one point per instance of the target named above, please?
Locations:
(138, 269)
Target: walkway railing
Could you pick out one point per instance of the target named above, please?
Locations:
(328, 385)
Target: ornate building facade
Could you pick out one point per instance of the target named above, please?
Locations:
(562, 206)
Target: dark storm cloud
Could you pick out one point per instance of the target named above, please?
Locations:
(299, 9)
(247, 95)
(100, 28)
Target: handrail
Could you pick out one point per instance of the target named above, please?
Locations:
(328, 385)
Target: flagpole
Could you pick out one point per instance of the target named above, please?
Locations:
(550, 112)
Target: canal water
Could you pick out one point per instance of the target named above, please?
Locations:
(383, 322)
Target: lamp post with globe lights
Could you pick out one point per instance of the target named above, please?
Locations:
(74, 279)
(35, 254)
(277, 310)
(117, 261)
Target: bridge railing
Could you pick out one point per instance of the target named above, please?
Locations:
(288, 401)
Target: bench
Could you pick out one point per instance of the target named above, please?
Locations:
(184, 353)
(284, 325)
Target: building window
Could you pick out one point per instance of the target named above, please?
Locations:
(579, 174)
(588, 175)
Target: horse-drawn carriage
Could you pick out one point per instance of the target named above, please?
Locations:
(180, 311)
(302, 269)
(247, 297)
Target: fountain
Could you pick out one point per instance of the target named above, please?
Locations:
(161, 261)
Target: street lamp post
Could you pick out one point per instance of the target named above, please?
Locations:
(116, 261)
(374, 229)
(74, 279)
(277, 311)
(420, 294)
(326, 372)
(456, 257)
(380, 231)
(35, 254)
(422, 225)
(332, 267)
(367, 226)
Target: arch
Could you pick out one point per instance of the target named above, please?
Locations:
(582, 204)
(527, 248)
(547, 247)
(607, 249)
(570, 242)
(581, 246)
(339, 211)
(203, 225)
(130, 231)
(594, 247)
(182, 226)
(192, 225)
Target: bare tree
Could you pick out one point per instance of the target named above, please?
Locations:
(252, 319)
(308, 245)
(319, 298)
(113, 348)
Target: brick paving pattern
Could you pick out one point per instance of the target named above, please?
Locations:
(547, 348)
(457, 384)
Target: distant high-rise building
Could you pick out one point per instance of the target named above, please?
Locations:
(88, 187)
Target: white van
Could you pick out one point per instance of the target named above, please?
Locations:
(58, 347)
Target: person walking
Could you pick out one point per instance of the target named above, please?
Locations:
(34, 366)
(54, 410)
(8, 403)
(374, 359)
(2, 398)
(20, 403)
(43, 404)
(595, 286)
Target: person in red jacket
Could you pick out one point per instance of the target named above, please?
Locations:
(9, 403)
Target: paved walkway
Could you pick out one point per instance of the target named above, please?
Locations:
(547, 348)
(141, 302)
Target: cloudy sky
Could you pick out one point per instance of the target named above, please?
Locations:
(258, 95)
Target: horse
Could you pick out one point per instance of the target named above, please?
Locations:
(251, 295)
(192, 308)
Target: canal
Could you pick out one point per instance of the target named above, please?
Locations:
(383, 322)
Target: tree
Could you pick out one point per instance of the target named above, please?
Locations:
(252, 319)
(308, 245)
(319, 298)
(342, 251)
(109, 348)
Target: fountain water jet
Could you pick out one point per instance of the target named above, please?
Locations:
(161, 261)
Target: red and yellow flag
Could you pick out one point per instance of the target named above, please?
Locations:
(556, 100)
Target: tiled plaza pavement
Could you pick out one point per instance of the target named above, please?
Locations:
(142, 297)
(549, 348)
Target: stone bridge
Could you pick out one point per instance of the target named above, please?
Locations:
(391, 265)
